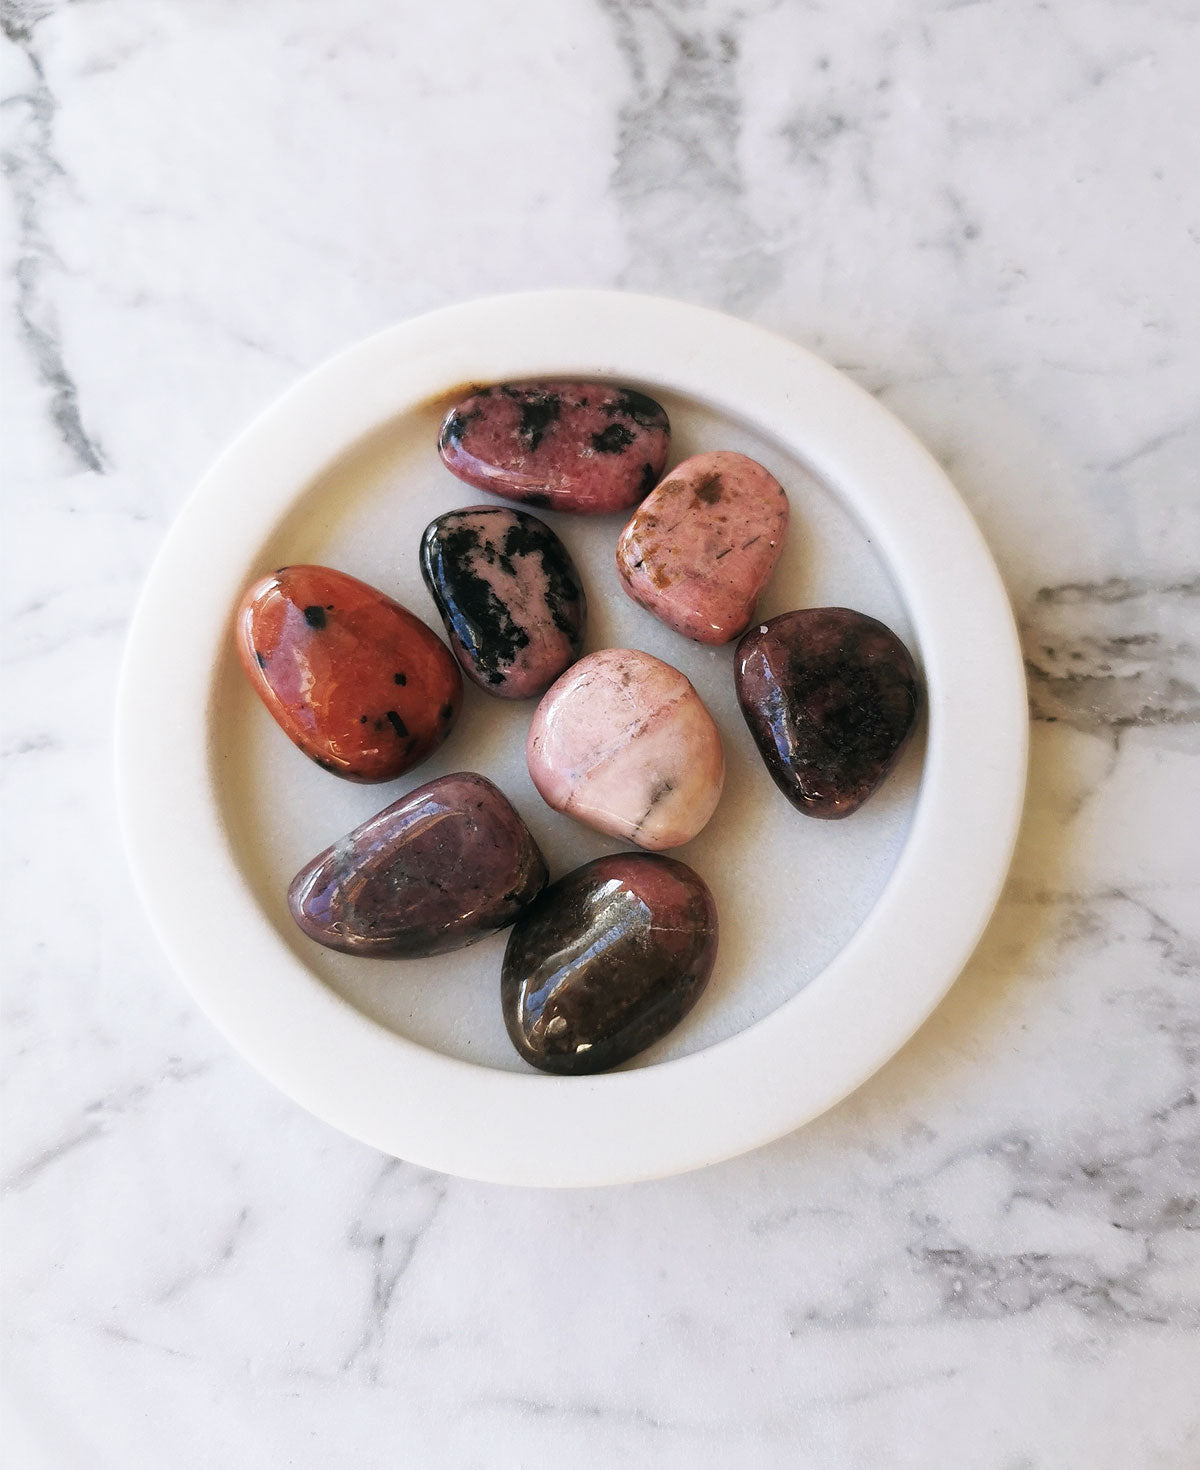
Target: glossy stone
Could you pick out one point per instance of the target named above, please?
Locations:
(362, 686)
(509, 595)
(624, 743)
(442, 867)
(583, 447)
(830, 696)
(699, 550)
(607, 961)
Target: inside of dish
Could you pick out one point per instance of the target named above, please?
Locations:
(790, 890)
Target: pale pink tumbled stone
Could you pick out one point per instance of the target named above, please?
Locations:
(624, 743)
(700, 548)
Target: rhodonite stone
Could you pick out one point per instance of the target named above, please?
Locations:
(830, 696)
(362, 686)
(440, 868)
(583, 447)
(509, 595)
(623, 742)
(607, 961)
(699, 550)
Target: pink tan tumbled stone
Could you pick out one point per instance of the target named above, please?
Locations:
(699, 550)
(624, 743)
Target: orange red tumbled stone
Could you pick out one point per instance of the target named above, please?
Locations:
(362, 686)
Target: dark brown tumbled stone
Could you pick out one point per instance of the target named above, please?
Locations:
(607, 961)
(830, 696)
(442, 867)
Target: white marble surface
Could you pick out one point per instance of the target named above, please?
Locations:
(989, 213)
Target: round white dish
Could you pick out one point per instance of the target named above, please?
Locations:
(215, 802)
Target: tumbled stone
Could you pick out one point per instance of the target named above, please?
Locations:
(362, 686)
(583, 447)
(437, 870)
(509, 595)
(699, 550)
(607, 961)
(624, 743)
(830, 696)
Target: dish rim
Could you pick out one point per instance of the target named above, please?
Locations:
(481, 1122)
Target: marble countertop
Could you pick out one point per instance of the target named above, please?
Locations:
(987, 213)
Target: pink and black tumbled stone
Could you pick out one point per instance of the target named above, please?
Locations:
(588, 448)
(444, 866)
(607, 961)
(510, 597)
(831, 697)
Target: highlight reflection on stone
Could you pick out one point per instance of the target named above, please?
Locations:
(831, 697)
(442, 867)
(624, 743)
(607, 961)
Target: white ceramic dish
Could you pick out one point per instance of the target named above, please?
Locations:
(838, 939)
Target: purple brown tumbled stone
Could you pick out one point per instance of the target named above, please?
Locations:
(437, 870)
(607, 961)
(589, 448)
(509, 595)
(830, 696)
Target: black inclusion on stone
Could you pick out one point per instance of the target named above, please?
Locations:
(456, 425)
(262, 659)
(613, 440)
(527, 536)
(397, 724)
(314, 616)
(400, 678)
(649, 479)
(538, 411)
(468, 604)
(864, 708)
(644, 412)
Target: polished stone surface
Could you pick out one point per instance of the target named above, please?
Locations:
(509, 595)
(444, 866)
(624, 743)
(700, 548)
(607, 961)
(830, 696)
(588, 448)
(362, 686)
